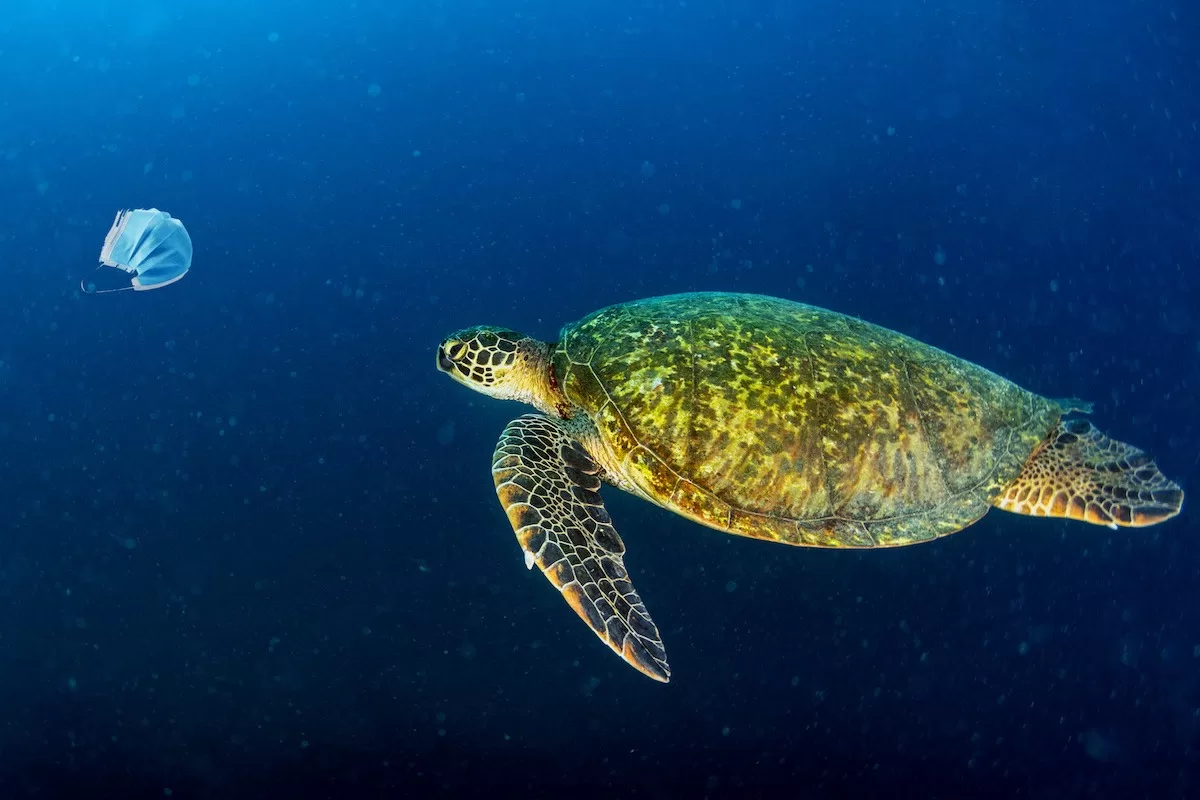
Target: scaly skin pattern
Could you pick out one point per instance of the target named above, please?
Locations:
(786, 422)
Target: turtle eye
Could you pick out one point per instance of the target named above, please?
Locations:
(449, 353)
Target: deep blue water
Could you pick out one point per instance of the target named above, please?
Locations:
(251, 546)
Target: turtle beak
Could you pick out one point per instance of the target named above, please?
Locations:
(443, 362)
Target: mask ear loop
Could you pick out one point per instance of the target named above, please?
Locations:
(85, 290)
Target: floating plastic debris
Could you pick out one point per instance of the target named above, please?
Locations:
(149, 244)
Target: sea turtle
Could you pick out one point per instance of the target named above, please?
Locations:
(775, 420)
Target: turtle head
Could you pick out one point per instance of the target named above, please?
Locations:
(499, 363)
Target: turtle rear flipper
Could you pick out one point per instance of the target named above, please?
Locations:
(1081, 474)
(1073, 405)
(549, 487)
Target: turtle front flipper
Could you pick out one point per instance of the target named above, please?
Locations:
(1081, 474)
(549, 487)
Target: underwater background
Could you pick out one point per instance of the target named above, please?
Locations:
(250, 542)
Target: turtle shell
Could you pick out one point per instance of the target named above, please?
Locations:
(783, 421)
